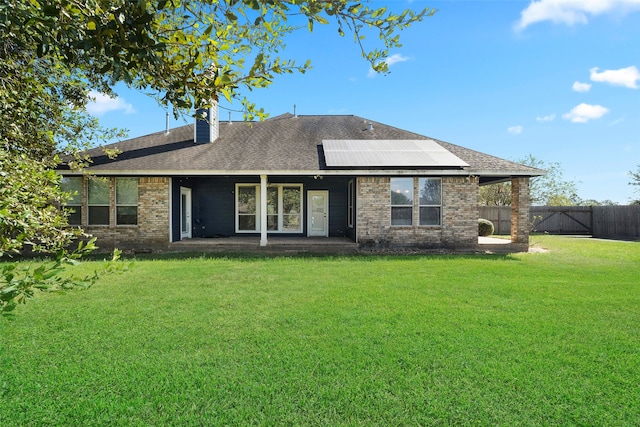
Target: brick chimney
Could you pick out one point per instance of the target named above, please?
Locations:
(206, 129)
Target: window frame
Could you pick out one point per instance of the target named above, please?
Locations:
(438, 206)
(396, 206)
(256, 214)
(416, 204)
(279, 211)
(128, 205)
(75, 202)
(107, 181)
(280, 208)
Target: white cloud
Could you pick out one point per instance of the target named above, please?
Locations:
(627, 77)
(100, 103)
(515, 130)
(584, 112)
(571, 12)
(549, 118)
(581, 87)
(393, 59)
(617, 121)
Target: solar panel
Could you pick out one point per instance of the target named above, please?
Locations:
(388, 153)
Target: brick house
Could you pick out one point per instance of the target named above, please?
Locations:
(292, 176)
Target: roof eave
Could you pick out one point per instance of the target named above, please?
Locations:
(316, 172)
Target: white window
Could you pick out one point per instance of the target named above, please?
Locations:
(401, 201)
(429, 209)
(430, 190)
(98, 201)
(126, 201)
(284, 208)
(247, 207)
(73, 186)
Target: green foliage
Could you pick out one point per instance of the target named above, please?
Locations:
(507, 340)
(593, 202)
(189, 52)
(550, 189)
(42, 101)
(495, 194)
(635, 177)
(635, 180)
(485, 227)
(32, 220)
(30, 200)
(19, 281)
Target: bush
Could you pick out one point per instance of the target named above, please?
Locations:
(485, 227)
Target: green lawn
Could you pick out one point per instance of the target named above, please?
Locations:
(527, 339)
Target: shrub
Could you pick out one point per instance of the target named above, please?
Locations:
(485, 227)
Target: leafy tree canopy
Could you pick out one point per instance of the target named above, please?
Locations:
(495, 194)
(635, 180)
(187, 52)
(550, 189)
(593, 202)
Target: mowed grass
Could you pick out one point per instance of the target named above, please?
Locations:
(526, 339)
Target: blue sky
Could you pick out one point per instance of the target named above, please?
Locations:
(556, 79)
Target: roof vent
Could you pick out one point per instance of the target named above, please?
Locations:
(295, 114)
(370, 126)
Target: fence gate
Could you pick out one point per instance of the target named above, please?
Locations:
(562, 219)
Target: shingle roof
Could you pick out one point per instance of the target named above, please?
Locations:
(283, 143)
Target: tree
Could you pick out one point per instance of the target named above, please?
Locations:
(635, 180)
(189, 52)
(593, 202)
(550, 189)
(185, 53)
(495, 194)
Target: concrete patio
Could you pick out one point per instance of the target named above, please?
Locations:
(319, 245)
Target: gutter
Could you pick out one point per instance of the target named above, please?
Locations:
(386, 172)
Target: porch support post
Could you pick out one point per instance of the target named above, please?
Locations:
(263, 210)
(520, 210)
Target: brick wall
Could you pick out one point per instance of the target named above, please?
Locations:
(520, 204)
(152, 230)
(460, 211)
(459, 227)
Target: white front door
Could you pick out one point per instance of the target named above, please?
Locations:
(318, 217)
(185, 213)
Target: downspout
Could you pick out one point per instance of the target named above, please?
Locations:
(263, 210)
(170, 210)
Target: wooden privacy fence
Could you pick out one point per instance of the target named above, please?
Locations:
(613, 222)
(616, 222)
(500, 216)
